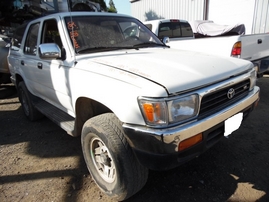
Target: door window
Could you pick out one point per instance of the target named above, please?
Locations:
(31, 40)
(50, 33)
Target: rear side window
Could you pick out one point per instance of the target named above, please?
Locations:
(31, 40)
(175, 30)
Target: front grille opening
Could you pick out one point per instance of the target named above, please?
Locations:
(218, 100)
(214, 134)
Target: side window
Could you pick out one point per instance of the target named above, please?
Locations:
(31, 40)
(50, 33)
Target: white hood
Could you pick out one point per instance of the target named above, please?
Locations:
(176, 70)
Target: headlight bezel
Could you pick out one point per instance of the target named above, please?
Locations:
(164, 117)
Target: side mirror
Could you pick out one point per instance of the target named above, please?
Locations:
(165, 40)
(49, 51)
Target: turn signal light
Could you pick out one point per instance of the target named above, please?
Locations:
(152, 111)
(190, 142)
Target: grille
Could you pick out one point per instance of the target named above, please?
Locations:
(219, 100)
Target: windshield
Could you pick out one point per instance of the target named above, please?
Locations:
(102, 33)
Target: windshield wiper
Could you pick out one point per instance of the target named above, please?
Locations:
(149, 44)
(103, 48)
(110, 48)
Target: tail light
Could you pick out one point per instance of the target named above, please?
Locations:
(236, 50)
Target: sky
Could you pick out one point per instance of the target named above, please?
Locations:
(122, 6)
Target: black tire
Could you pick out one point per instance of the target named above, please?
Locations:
(105, 148)
(25, 99)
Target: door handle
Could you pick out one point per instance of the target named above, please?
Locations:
(22, 62)
(39, 65)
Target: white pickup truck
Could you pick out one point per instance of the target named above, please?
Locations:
(136, 103)
(254, 47)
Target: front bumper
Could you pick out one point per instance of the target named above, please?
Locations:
(157, 149)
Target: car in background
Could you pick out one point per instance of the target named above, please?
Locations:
(4, 70)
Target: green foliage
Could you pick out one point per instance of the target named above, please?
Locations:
(112, 8)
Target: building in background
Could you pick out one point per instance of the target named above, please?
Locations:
(253, 13)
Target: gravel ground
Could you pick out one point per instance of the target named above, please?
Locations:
(40, 162)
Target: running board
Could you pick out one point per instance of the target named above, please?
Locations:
(64, 120)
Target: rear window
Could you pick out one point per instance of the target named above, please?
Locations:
(175, 30)
(149, 26)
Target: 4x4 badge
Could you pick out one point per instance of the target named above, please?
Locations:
(231, 93)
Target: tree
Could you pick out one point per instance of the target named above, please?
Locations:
(152, 15)
(112, 8)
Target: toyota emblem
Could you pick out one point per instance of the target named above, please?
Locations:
(230, 93)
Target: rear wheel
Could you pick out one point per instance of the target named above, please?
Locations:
(110, 159)
(28, 108)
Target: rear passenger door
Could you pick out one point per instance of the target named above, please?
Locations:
(29, 59)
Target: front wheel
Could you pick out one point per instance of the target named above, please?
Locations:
(110, 159)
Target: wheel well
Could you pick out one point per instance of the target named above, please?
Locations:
(85, 109)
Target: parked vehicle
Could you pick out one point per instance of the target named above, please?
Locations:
(136, 103)
(220, 40)
(4, 70)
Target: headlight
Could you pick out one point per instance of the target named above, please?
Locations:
(162, 112)
(183, 108)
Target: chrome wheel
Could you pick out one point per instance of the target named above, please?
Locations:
(102, 160)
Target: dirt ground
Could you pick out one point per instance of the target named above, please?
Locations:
(40, 162)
